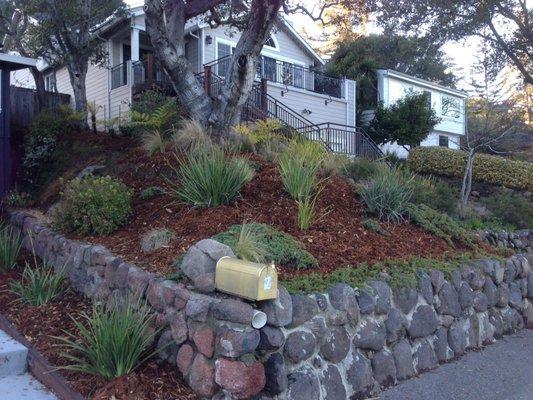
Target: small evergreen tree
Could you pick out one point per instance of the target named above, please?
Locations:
(406, 122)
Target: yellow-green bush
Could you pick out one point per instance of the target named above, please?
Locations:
(487, 168)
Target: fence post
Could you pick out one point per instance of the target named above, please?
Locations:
(207, 80)
(264, 91)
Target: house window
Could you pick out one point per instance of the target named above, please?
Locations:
(451, 107)
(270, 69)
(50, 83)
(224, 51)
(427, 95)
(270, 42)
(444, 141)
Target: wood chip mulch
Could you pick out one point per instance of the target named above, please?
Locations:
(40, 325)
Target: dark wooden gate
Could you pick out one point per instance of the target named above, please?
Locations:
(24, 105)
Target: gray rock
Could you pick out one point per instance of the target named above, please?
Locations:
(155, 239)
(299, 346)
(466, 296)
(365, 299)
(406, 299)
(271, 338)
(515, 296)
(337, 317)
(303, 385)
(446, 320)
(332, 384)
(95, 170)
(481, 302)
(178, 327)
(395, 325)
(424, 322)
(425, 287)
(448, 300)
(278, 311)
(425, 358)
(437, 279)
(503, 295)
(456, 278)
(168, 349)
(512, 320)
(359, 374)
(234, 343)
(440, 344)
(510, 272)
(473, 276)
(403, 360)
(276, 374)
(199, 263)
(457, 337)
(198, 307)
(499, 272)
(384, 368)
(382, 294)
(530, 286)
(336, 345)
(342, 297)
(233, 311)
(370, 335)
(491, 291)
(303, 309)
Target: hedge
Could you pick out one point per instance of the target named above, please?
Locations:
(487, 168)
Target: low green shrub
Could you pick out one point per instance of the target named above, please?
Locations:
(94, 205)
(387, 195)
(435, 193)
(110, 343)
(279, 247)
(510, 209)
(39, 285)
(209, 178)
(162, 118)
(440, 225)
(149, 100)
(362, 169)
(151, 192)
(10, 244)
(487, 168)
(373, 226)
(16, 198)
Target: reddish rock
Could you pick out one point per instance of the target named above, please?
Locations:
(154, 295)
(169, 289)
(184, 358)
(182, 296)
(204, 339)
(240, 379)
(202, 377)
(160, 320)
(178, 327)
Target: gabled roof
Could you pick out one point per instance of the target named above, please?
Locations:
(421, 82)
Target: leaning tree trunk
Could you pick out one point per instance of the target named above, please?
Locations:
(165, 25)
(40, 89)
(466, 186)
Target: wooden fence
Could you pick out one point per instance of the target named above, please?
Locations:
(24, 104)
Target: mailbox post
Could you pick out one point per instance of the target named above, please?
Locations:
(8, 63)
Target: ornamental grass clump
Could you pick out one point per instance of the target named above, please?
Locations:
(249, 246)
(39, 285)
(110, 343)
(387, 195)
(10, 243)
(94, 205)
(209, 177)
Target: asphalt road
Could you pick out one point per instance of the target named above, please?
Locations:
(501, 371)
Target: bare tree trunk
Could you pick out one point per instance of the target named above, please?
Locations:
(78, 74)
(466, 187)
(39, 88)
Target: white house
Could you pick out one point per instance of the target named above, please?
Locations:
(449, 105)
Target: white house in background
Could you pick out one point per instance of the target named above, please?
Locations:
(449, 105)
(290, 86)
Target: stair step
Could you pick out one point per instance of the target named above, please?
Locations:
(13, 356)
(23, 387)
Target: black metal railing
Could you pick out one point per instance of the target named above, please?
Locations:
(289, 74)
(119, 75)
(147, 71)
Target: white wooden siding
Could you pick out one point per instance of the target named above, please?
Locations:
(22, 78)
(120, 102)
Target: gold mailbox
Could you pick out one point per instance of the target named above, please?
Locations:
(245, 279)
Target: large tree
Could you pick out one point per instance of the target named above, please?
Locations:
(165, 24)
(504, 25)
(66, 27)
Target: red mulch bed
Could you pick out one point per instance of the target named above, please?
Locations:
(39, 325)
(337, 240)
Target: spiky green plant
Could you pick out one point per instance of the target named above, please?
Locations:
(298, 177)
(250, 246)
(39, 285)
(10, 243)
(209, 177)
(110, 343)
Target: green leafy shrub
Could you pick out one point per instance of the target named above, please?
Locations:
(373, 226)
(387, 195)
(439, 224)
(279, 247)
(209, 178)
(362, 169)
(10, 243)
(487, 168)
(164, 118)
(510, 209)
(110, 343)
(39, 285)
(435, 193)
(16, 198)
(151, 192)
(149, 100)
(94, 205)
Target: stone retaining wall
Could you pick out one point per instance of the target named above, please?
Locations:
(347, 343)
(521, 241)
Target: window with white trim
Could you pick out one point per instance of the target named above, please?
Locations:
(224, 50)
(444, 141)
(451, 107)
(50, 82)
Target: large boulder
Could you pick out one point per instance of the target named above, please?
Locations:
(241, 380)
(424, 322)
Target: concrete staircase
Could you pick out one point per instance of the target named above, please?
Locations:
(16, 383)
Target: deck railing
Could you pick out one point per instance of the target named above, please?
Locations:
(119, 75)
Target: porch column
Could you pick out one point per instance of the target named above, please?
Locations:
(135, 54)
